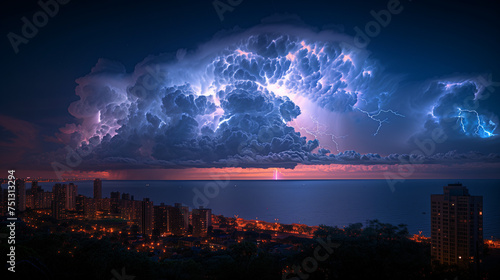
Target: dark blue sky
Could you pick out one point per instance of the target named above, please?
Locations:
(427, 40)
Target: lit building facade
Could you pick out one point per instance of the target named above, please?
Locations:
(97, 188)
(178, 219)
(456, 226)
(201, 221)
(147, 219)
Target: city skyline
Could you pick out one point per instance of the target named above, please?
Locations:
(64, 203)
(64, 196)
(162, 232)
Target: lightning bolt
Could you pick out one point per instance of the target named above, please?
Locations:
(277, 174)
(380, 121)
(318, 132)
(224, 120)
(480, 130)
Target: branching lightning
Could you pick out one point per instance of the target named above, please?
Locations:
(319, 131)
(380, 121)
(481, 129)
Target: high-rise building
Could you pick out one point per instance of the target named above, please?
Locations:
(126, 209)
(35, 187)
(115, 203)
(147, 217)
(201, 220)
(115, 195)
(57, 210)
(80, 203)
(65, 195)
(46, 200)
(104, 205)
(161, 219)
(98, 188)
(30, 200)
(20, 195)
(90, 208)
(456, 227)
(71, 193)
(178, 219)
(37, 195)
(60, 200)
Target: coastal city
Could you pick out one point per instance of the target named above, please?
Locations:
(138, 222)
(176, 232)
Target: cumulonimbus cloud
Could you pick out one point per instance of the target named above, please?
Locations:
(232, 101)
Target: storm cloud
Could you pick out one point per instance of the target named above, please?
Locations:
(232, 102)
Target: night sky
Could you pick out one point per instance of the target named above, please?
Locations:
(293, 89)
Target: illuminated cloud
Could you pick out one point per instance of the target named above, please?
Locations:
(463, 110)
(235, 100)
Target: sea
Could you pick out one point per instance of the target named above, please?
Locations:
(314, 202)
